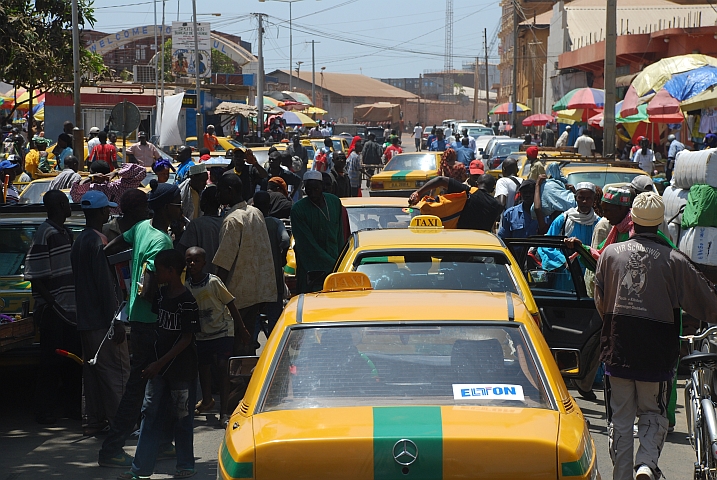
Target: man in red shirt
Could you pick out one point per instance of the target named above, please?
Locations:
(392, 149)
(105, 152)
(210, 140)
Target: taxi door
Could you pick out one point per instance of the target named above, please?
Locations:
(556, 276)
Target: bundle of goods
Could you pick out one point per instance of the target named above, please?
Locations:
(695, 168)
(675, 200)
(698, 173)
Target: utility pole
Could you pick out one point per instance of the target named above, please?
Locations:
(487, 87)
(200, 125)
(77, 140)
(475, 91)
(291, 50)
(313, 74)
(420, 91)
(514, 110)
(161, 99)
(157, 120)
(608, 144)
(260, 78)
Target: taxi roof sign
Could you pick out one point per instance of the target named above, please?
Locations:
(426, 221)
(347, 282)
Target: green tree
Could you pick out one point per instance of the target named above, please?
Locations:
(221, 63)
(36, 44)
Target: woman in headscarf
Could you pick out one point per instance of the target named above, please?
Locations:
(450, 168)
(279, 201)
(355, 140)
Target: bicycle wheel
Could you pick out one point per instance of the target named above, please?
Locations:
(709, 455)
(690, 414)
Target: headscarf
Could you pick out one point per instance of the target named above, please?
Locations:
(282, 185)
(355, 140)
(553, 171)
(457, 171)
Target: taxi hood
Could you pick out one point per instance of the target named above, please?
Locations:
(407, 442)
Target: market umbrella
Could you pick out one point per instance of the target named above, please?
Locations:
(581, 98)
(299, 97)
(576, 114)
(664, 108)
(298, 118)
(507, 108)
(686, 85)
(655, 76)
(314, 111)
(272, 102)
(706, 99)
(539, 119)
(631, 101)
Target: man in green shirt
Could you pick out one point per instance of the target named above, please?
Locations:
(146, 239)
(318, 233)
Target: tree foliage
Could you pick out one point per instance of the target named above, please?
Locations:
(36, 44)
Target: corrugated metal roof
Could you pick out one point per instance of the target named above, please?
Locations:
(586, 18)
(354, 85)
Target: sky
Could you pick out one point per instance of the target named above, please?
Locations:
(352, 36)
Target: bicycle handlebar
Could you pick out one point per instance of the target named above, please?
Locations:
(702, 336)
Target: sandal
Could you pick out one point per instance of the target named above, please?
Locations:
(201, 408)
(130, 475)
(185, 473)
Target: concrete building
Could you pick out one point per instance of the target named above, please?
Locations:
(435, 83)
(648, 30)
(339, 93)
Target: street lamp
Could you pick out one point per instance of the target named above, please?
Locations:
(199, 123)
(291, 39)
(322, 86)
(298, 68)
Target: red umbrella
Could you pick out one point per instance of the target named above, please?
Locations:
(629, 104)
(587, 98)
(664, 108)
(539, 119)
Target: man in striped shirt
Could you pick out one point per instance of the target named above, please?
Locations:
(49, 267)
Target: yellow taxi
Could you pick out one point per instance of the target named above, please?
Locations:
(340, 143)
(405, 173)
(524, 166)
(356, 383)
(226, 144)
(601, 174)
(542, 271)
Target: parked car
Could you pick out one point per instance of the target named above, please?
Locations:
(498, 150)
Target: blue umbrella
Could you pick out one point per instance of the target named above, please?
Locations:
(686, 85)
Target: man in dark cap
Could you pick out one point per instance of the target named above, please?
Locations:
(146, 239)
(516, 222)
(276, 169)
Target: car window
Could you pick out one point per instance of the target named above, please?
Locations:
(551, 271)
(15, 241)
(477, 132)
(505, 150)
(262, 156)
(411, 364)
(310, 152)
(442, 270)
(338, 145)
(152, 175)
(365, 218)
(603, 178)
(412, 162)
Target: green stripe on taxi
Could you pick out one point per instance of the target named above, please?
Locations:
(233, 468)
(407, 443)
(579, 467)
(400, 175)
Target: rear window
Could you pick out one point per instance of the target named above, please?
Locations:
(15, 241)
(474, 271)
(375, 218)
(602, 178)
(412, 162)
(419, 364)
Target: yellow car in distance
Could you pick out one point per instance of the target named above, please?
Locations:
(226, 145)
(378, 213)
(339, 144)
(405, 173)
(356, 383)
(601, 174)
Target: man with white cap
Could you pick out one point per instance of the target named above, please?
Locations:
(675, 147)
(93, 140)
(642, 184)
(563, 139)
(318, 232)
(640, 286)
(192, 188)
(210, 140)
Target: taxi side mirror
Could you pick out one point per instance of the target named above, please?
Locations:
(568, 361)
(242, 366)
(484, 156)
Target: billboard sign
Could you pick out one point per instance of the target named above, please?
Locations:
(183, 58)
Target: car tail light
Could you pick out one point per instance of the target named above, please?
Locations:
(377, 185)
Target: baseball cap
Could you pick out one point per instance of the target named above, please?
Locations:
(94, 130)
(526, 184)
(643, 183)
(476, 168)
(210, 126)
(532, 152)
(313, 175)
(197, 169)
(142, 134)
(7, 164)
(95, 199)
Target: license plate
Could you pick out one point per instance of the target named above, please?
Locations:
(401, 184)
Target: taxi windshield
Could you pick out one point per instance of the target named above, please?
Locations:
(602, 178)
(443, 270)
(412, 161)
(375, 218)
(411, 364)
